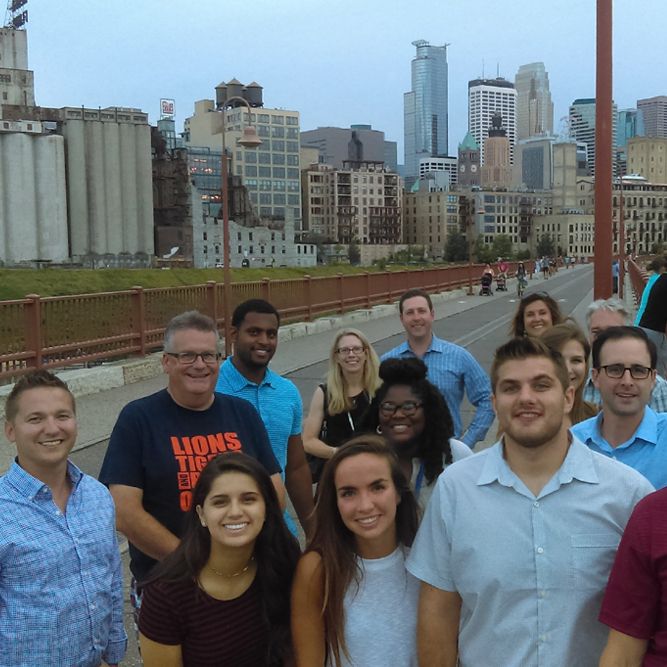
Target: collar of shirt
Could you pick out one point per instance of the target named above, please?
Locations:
(647, 432)
(436, 345)
(578, 464)
(238, 381)
(29, 486)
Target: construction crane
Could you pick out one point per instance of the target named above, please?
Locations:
(17, 14)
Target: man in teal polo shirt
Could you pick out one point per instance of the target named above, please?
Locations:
(624, 362)
(247, 375)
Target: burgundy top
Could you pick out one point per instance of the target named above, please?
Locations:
(635, 602)
(211, 632)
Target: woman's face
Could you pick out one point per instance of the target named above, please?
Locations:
(537, 318)
(234, 510)
(367, 501)
(350, 354)
(575, 359)
(401, 415)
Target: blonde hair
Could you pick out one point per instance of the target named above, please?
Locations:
(338, 400)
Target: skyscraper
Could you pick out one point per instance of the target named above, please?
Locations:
(582, 127)
(534, 108)
(487, 97)
(425, 107)
(655, 115)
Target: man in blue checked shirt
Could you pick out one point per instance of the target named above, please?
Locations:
(451, 368)
(61, 593)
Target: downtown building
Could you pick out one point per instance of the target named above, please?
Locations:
(425, 108)
(654, 111)
(486, 98)
(581, 119)
(534, 106)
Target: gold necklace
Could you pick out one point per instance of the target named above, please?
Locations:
(235, 574)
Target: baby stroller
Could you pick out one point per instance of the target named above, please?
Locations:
(487, 282)
(501, 282)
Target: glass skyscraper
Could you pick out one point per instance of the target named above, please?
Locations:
(425, 107)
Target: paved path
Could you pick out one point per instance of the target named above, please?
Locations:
(478, 323)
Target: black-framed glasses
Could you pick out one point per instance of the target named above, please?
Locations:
(617, 371)
(188, 358)
(356, 350)
(389, 409)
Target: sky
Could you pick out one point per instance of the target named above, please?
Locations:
(337, 63)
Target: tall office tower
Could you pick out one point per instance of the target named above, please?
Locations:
(655, 115)
(496, 170)
(630, 124)
(582, 127)
(425, 108)
(534, 108)
(487, 97)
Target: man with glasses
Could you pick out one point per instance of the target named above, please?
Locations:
(246, 374)
(624, 361)
(162, 442)
(451, 368)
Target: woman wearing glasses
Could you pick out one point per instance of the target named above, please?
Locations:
(353, 602)
(414, 418)
(570, 341)
(537, 312)
(338, 404)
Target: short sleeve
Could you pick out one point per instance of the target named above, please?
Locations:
(159, 620)
(297, 411)
(260, 438)
(123, 461)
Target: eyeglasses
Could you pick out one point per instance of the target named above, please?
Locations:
(188, 358)
(356, 350)
(389, 409)
(617, 371)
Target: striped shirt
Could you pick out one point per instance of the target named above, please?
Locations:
(61, 588)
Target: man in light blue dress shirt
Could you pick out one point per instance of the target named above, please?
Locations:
(518, 540)
(451, 368)
(61, 585)
(624, 361)
(247, 375)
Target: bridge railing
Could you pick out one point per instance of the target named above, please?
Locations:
(61, 331)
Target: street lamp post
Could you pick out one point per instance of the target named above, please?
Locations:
(249, 140)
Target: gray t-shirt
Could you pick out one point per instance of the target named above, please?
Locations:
(381, 614)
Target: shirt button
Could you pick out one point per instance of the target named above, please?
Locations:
(536, 504)
(541, 594)
(540, 550)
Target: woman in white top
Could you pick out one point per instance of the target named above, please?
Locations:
(414, 418)
(353, 602)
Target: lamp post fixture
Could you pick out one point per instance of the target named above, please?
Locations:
(249, 140)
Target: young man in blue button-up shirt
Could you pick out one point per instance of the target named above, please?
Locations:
(61, 592)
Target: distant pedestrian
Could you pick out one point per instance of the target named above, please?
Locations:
(61, 584)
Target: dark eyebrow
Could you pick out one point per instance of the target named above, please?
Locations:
(375, 481)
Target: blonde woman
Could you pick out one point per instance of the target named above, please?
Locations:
(338, 404)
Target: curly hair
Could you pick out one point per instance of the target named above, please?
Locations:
(335, 544)
(433, 443)
(276, 550)
(518, 327)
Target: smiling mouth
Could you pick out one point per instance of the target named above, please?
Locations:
(235, 527)
(368, 521)
(51, 443)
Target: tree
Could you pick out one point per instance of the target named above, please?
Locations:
(456, 248)
(484, 252)
(354, 253)
(502, 246)
(545, 246)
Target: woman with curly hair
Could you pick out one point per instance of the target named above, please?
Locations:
(414, 418)
(353, 602)
(570, 341)
(338, 404)
(222, 597)
(537, 312)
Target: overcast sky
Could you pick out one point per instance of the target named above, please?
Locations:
(337, 62)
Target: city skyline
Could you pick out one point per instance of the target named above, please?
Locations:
(364, 48)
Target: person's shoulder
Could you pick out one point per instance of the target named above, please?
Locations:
(309, 565)
(395, 351)
(283, 384)
(459, 449)
(584, 428)
(616, 474)
(146, 403)
(467, 468)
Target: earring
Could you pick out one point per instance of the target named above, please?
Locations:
(378, 429)
(203, 523)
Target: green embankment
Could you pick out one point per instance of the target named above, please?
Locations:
(16, 283)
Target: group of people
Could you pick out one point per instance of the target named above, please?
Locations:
(417, 551)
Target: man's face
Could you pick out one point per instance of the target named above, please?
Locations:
(624, 396)
(44, 428)
(601, 320)
(530, 402)
(417, 318)
(256, 340)
(188, 382)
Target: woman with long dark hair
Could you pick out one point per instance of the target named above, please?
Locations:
(537, 312)
(222, 597)
(413, 417)
(353, 602)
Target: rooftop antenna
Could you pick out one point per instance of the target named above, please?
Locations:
(482, 68)
(16, 16)
(497, 70)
